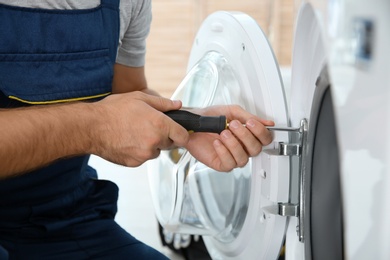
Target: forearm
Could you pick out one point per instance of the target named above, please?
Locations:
(33, 137)
(129, 79)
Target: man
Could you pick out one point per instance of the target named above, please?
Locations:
(72, 83)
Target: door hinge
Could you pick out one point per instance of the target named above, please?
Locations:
(299, 150)
(283, 209)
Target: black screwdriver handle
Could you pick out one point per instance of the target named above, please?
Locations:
(197, 123)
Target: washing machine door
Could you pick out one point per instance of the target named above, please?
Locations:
(320, 234)
(231, 62)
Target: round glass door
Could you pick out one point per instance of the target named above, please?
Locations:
(213, 203)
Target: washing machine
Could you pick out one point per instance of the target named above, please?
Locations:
(319, 190)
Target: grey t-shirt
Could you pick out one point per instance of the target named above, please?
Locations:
(135, 19)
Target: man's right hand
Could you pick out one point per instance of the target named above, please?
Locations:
(131, 128)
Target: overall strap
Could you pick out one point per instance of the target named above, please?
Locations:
(110, 10)
(113, 4)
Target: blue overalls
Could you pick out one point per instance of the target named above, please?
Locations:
(60, 211)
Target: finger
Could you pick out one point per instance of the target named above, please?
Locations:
(160, 103)
(226, 160)
(237, 112)
(178, 134)
(169, 133)
(267, 122)
(147, 153)
(164, 143)
(154, 154)
(156, 132)
(252, 145)
(235, 148)
(260, 131)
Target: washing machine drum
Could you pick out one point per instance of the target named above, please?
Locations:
(242, 214)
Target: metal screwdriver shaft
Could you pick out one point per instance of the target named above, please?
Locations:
(211, 124)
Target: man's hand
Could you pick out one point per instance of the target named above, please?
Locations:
(233, 147)
(133, 130)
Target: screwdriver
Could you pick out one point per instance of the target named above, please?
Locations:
(197, 123)
(211, 124)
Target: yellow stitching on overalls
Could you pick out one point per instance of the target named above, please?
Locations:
(59, 100)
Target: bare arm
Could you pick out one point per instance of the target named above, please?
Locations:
(127, 129)
(127, 79)
(33, 137)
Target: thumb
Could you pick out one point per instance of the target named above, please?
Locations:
(161, 103)
(267, 122)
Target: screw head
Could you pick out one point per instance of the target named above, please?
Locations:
(263, 218)
(263, 173)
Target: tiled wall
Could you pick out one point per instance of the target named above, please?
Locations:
(175, 23)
